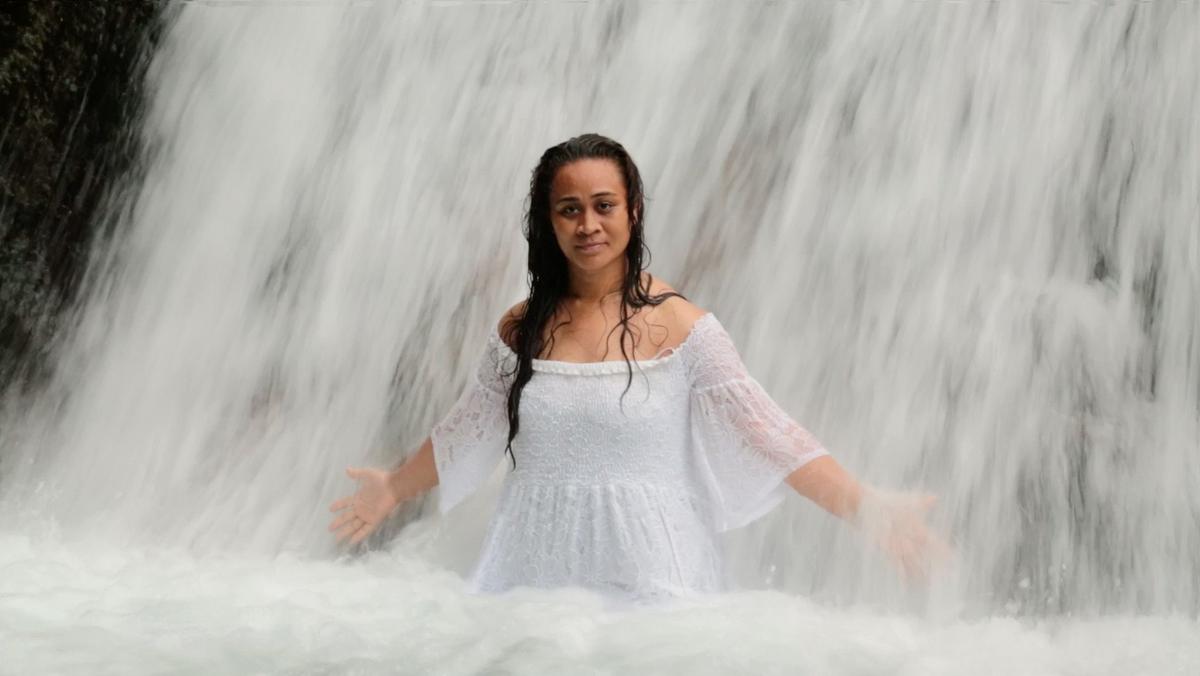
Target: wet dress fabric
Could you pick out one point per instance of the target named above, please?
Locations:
(619, 491)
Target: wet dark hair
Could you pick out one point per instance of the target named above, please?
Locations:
(548, 275)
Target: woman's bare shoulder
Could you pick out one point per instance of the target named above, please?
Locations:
(677, 313)
(507, 328)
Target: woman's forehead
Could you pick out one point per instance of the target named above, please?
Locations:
(588, 177)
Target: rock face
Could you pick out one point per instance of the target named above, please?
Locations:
(70, 84)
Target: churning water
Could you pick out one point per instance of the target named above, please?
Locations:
(958, 241)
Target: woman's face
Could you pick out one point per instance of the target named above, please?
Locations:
(589, 214)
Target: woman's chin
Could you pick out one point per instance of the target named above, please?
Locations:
(592, 263)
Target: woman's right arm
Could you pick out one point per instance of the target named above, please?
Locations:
(380, 492)
(414, 476)
(470, 439)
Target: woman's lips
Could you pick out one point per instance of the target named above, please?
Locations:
(591, 248)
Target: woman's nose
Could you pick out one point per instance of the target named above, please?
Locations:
(588, 223)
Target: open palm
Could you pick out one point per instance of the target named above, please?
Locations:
(898, 524)
(361, 513)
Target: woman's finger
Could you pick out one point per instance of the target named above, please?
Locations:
(348, 529)
(341, 520)
(908, 558)
(361, 534)
(341, 504)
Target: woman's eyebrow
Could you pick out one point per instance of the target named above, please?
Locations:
(572, 198)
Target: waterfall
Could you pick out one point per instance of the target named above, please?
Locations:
(960, 242)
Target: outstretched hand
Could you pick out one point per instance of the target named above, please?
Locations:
(897, 523)
(362, 512)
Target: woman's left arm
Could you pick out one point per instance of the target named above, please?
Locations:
(896, 522)
(749, 445)
(828, 484)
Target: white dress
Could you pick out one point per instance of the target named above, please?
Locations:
(622, 497)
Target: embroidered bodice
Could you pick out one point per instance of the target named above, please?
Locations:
(619, 490)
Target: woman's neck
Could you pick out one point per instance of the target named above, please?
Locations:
(586, 287)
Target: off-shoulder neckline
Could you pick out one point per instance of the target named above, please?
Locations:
(609, 365)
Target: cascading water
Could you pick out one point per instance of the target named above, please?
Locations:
(959, 242)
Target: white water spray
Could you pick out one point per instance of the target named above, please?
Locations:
(960, 242)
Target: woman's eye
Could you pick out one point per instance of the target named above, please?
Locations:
(567, 211)
(605, 206)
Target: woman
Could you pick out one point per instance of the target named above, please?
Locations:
(634, 432)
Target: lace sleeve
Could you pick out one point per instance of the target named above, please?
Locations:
(746, 444)
(469, 442)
